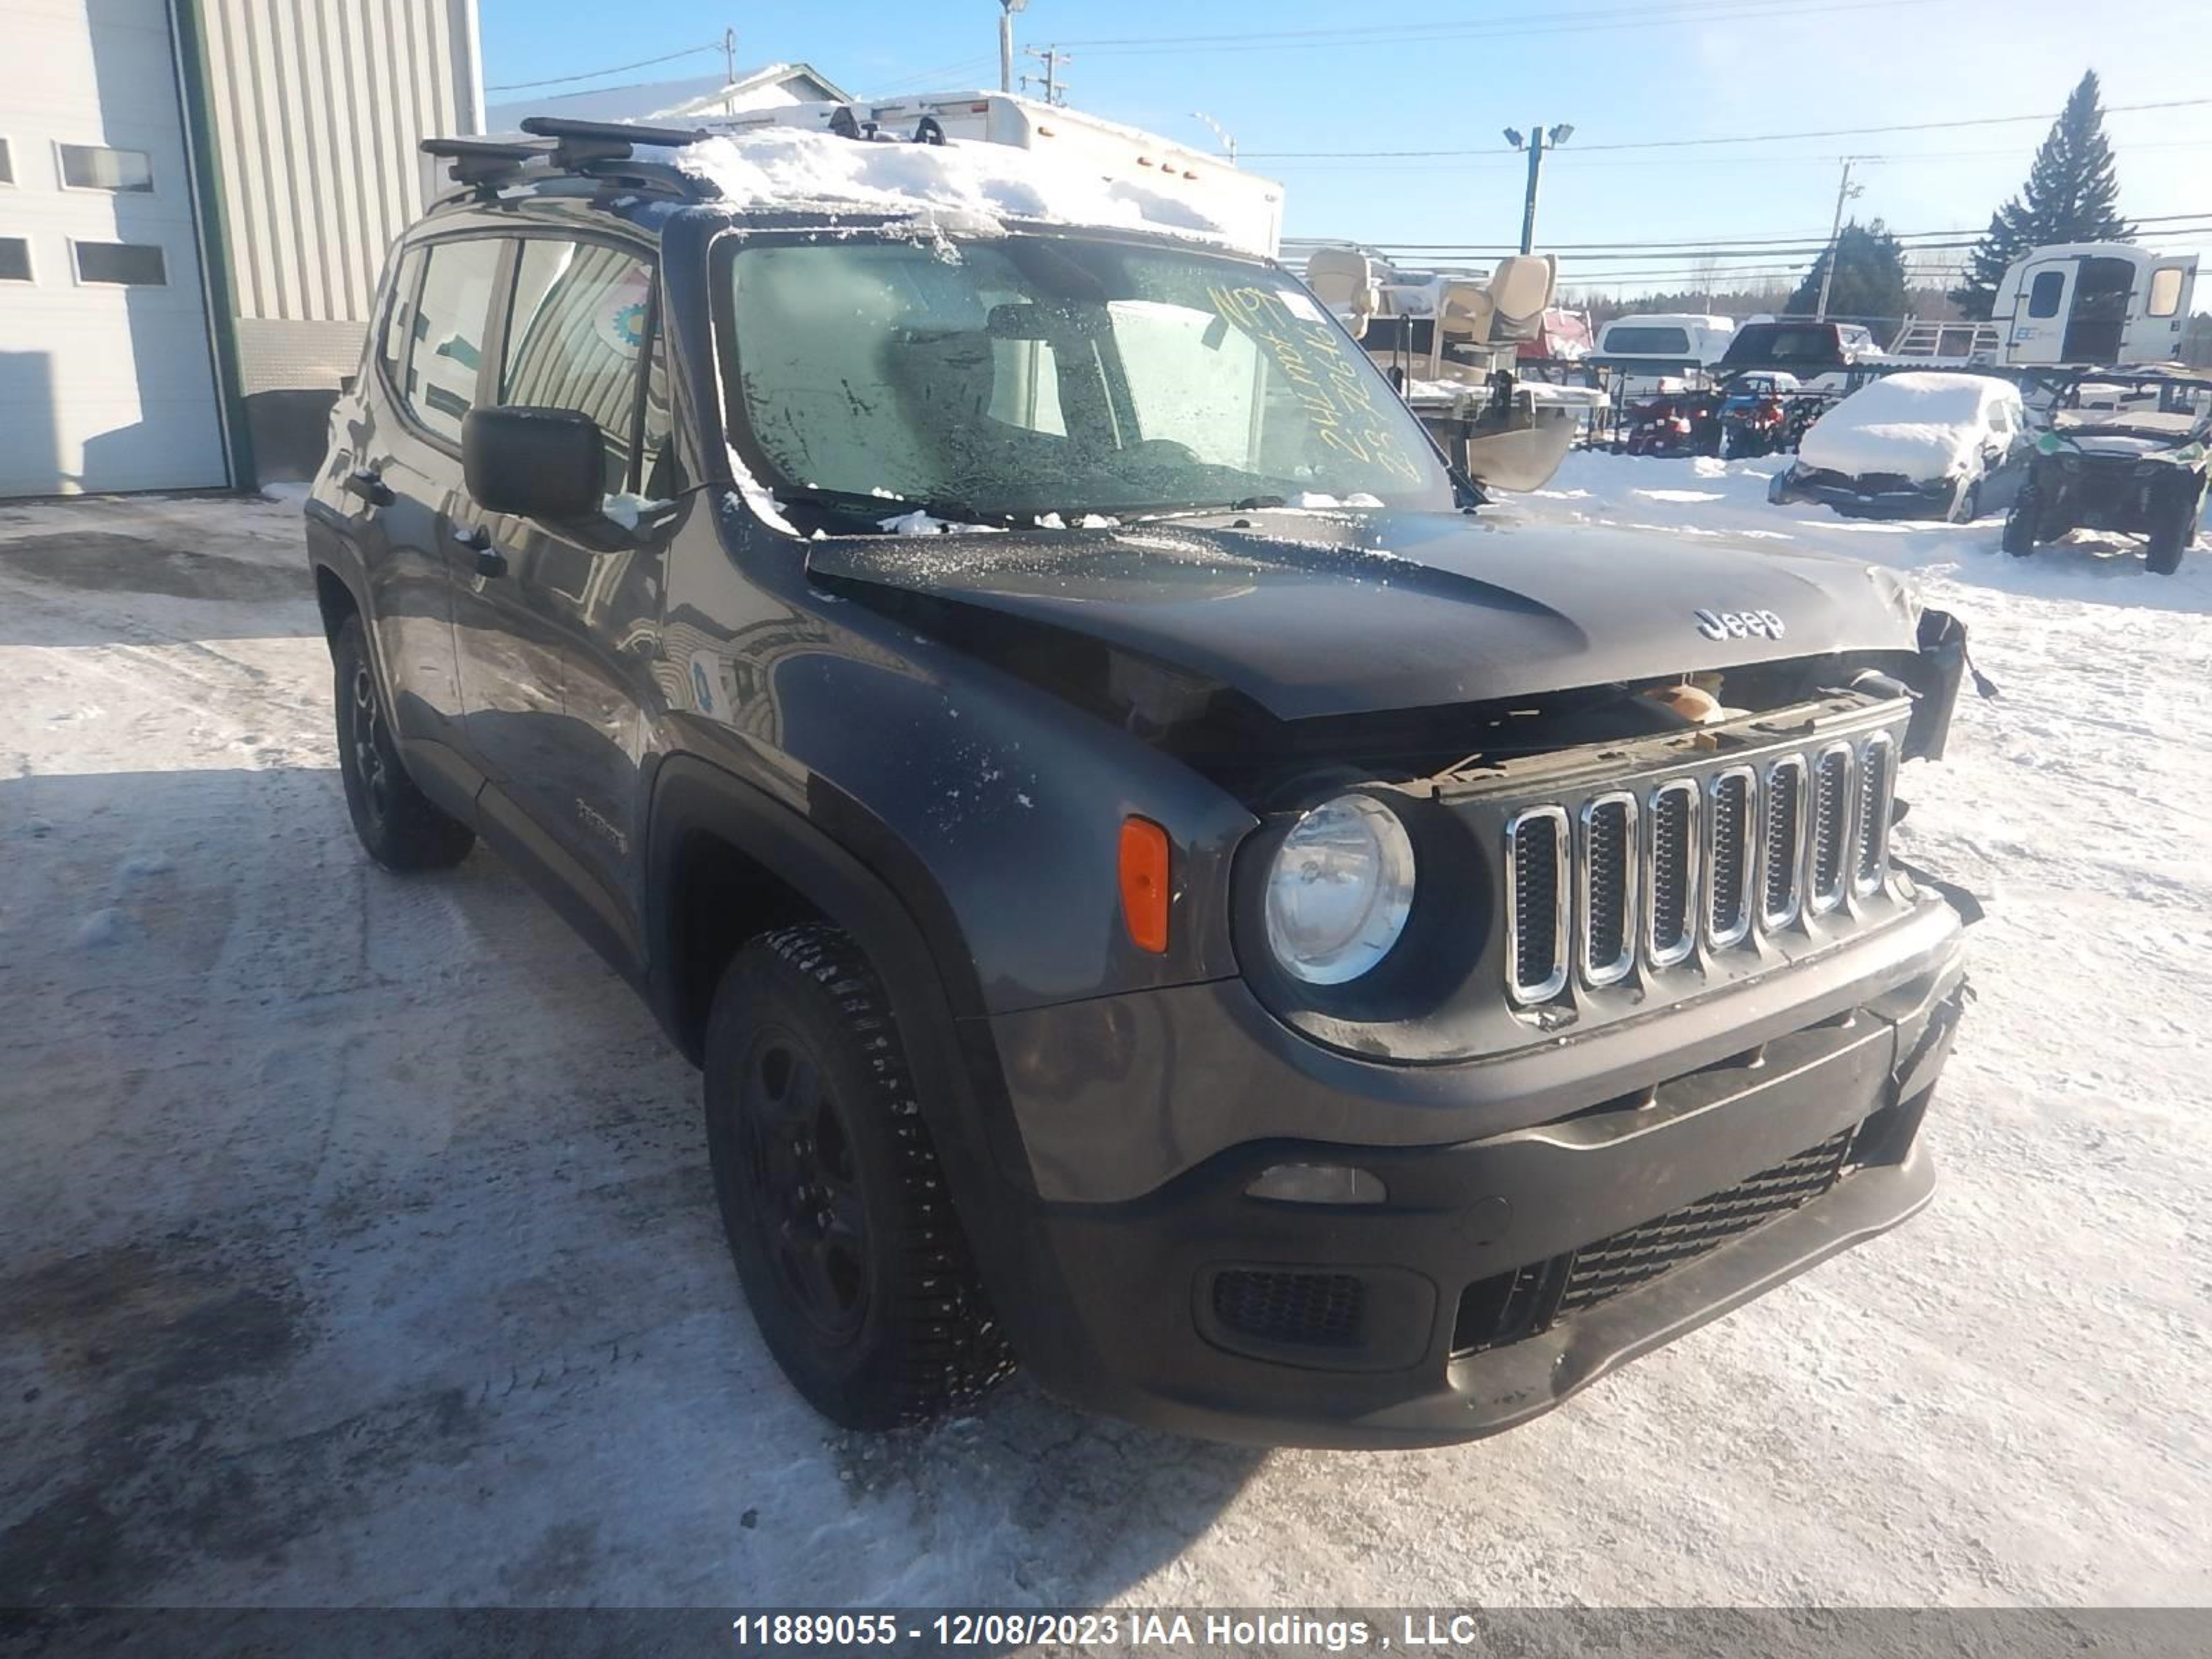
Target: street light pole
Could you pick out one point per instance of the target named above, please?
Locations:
(1538, 136)
(1008, 8)
(1845, 191)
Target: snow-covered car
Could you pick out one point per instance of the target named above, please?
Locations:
(1914, 445)
(2130, 454)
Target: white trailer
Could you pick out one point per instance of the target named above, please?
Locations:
(2094, 302)
(1248, 208)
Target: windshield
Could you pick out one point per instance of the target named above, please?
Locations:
(1028, 376)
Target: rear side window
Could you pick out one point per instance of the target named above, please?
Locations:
(576, 339)
(1645, 342)
(2165, 291)
(440, 383)
(2043, 294)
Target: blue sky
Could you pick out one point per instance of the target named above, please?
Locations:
(1281, 77)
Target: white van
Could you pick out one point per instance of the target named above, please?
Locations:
(1248, 207)
(2094, 302)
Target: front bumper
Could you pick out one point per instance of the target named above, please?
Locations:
(1444, 1314)
(1930, 499)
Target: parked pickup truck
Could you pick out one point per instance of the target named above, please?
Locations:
(1163, 890)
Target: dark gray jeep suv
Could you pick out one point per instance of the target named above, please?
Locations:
(1157, 883)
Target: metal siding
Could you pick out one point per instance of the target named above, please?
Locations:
(318, 107)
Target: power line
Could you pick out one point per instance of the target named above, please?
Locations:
(1738, 138)
(1405, 34)
(618, 69)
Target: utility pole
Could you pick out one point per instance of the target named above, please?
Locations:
(729, 69)
(1845, 191)
(1538, 136)
(1052, 58)
(1008, 8)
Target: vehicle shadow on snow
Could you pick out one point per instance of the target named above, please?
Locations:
(374, 1259)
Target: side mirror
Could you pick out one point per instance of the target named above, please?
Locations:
(536, 463)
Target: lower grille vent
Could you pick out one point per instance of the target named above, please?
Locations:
(1509, 1306)
(1308, 1310)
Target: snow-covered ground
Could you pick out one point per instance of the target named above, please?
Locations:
(355, 1243)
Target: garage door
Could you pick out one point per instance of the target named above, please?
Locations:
(107, 380)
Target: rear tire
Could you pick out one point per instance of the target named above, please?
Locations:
(398, 825)
(845, 1239)
(2020, 526)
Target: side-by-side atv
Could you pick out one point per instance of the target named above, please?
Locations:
(2124, 452)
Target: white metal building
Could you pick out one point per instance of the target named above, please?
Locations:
(195, 200)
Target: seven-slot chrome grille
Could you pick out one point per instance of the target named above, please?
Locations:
(1597, 884)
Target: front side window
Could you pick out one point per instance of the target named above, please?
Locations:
(575, 337)
(399, 317)
(14, 259)
(95, 166)
(440, 383)
(2044, 293)
(2165, 291)
(1032, 376)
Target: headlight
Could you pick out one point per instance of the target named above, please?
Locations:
(1340, 890)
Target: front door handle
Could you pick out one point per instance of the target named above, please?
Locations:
(367, 484)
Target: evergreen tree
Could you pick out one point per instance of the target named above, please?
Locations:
(1869, 285)
(2073, 195)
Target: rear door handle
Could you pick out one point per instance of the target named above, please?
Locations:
(367, 484)
(490, 561)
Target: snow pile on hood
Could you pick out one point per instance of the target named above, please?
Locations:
(1924, 426)
(970, 188)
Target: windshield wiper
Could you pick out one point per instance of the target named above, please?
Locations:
(876, 510)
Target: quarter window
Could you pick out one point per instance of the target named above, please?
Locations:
(448, 330)
(2043, 294)
(576, 338)
(123, 264)
(14, 259)
(95, 166)
(2165, 291)
(7, 163)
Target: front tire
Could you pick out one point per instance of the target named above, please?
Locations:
(1966, 502)
(398, 824)
(2170, 539)
(845, 1239)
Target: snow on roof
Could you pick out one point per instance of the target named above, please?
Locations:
(967, 187)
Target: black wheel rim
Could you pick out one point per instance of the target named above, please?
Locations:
(368, 736)
(806, 1195)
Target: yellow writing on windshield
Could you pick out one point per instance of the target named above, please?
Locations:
(1330, 383)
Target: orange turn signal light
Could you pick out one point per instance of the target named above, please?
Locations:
(1144, 883)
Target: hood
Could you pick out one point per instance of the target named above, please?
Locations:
(1313, 615)
(1915, 449)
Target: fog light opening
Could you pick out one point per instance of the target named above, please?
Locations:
(1317, 1183)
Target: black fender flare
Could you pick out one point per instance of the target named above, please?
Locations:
(924, 971)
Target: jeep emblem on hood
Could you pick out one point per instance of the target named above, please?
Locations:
(1738, 625)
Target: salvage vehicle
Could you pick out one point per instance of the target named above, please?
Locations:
(1755, 414)
(1676, 423)
(2124, 452)
(1919, 445)
(1160, 883)
(1821, 354)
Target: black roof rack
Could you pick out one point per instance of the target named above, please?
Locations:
(478, 160)
(595, 140)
